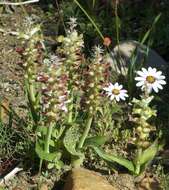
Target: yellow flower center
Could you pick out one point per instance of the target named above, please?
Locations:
(116, 91)
(150, 79)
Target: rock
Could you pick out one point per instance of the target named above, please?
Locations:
(83, 179)
(43, 187)
(122, 56)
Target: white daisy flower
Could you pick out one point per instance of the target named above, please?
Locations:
(116, 92)
(150, 79)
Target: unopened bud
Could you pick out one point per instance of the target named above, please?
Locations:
(91, 73)
(139, 129)
(91, 85)
(60, 39)
(146, 130)
(91, 97)
(143, 136)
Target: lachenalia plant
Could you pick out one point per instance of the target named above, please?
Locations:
(70, 50)
(32, 40)
(77, 137)
(54, 100)
(145, 147)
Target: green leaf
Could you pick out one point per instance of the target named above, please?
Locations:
(149, 153)
(95, 141)
(51, 165)
(70, 140)
(58, 132)
(112, 158)
(46, 156)
(59, 164)
(147, 34)
(34, 113)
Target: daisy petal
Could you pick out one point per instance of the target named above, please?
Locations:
(112, 97)
(117, 98)
(155, 88)
(141, 83)
(140, 78)
(142, 74)
(159, 86)
(161, 77)
(162, 82)
(144, 71)
(122, 97)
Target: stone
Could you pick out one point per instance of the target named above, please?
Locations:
(83, 179)
(43, 186)
(127, 51)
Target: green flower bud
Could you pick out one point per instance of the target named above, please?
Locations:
(60, 39)
(139, 129)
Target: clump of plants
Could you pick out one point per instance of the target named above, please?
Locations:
(73, 94)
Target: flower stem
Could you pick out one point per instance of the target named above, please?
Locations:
(40, 166)
(86, 131)
(76, 162)
(70, 109)
(138, 155)
(32, 93)
(48, 137)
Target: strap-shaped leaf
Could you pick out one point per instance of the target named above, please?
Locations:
(56, 133)
(46, 156)
(70, 140)
(112, 158)
(95, 141)
(149, 153)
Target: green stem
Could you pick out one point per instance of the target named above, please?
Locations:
(32, 93)
(86, 131)
(47, 143)
(117, 22)
(48, 137)
(91, 20)
(138, 155)
(70, 108)
(40, 166)
(76, 162)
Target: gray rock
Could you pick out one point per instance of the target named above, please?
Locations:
(130, 52)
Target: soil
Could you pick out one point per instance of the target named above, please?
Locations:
(11, 75)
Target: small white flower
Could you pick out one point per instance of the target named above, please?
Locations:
(72, 23)
(63, 107)
(150, 79)
(116, 92)
(98, 50)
